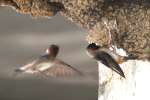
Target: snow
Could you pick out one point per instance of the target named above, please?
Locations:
(135, 86)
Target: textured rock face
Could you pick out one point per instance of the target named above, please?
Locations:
(124, 23)
(36, 8)
(83, 12)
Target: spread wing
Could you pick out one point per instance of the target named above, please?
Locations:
(34, 66)
(45, 67)
(61, 69)
(107, 60)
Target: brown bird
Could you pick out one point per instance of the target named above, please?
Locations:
(106, 57)
(49, 65)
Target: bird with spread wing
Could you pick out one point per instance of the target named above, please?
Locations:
(49, 65)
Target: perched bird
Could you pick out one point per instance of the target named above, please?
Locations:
(106, 57)
(49, 65)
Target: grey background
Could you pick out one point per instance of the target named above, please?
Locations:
(23, 39)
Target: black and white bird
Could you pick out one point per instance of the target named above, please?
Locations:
(49, 65)
(106, 57)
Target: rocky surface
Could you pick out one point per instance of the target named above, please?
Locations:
(123, 23)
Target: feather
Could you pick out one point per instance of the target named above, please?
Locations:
(107, 60)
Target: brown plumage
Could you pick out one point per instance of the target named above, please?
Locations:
(106, 57)
(49, 65)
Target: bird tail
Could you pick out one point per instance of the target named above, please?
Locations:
(118, 70)
(18, 70)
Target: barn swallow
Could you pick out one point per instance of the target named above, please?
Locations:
(106, 57)
(49, 65)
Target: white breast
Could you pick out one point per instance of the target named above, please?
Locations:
(44, 66)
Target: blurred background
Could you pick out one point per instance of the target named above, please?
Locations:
(23, 39)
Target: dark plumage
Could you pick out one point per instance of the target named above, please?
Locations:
(107, 60)
(49, 65)
(103, 56)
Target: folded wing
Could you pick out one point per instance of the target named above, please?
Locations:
(107, 60)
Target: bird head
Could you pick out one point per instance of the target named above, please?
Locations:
(92, 48)
(52, 50)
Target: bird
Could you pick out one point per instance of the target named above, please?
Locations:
(106, 57)
(49, 65)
